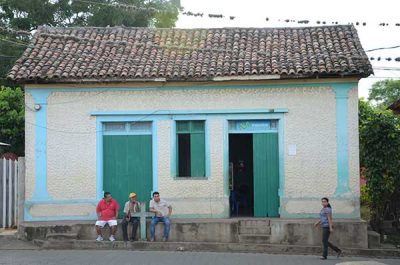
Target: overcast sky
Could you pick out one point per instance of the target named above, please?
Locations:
(253, 13)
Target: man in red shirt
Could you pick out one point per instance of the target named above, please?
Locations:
(107, 212)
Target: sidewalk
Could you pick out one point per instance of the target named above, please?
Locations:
(9, 241)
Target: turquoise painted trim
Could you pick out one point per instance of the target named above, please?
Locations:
(199, 216)
(355, 214)
(207, 148)
(99, 159)
(342, 142)
(252, 131)
(226, 159)
(99, 147)
(126, 133)
(281, 148)
(40, 192)
(154, 130)
(174, 151)
(174, 173)
(187, 112)
(192, 86)
(29, 218)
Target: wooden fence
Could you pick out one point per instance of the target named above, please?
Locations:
(10, 178)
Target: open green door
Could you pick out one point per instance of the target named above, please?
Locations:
(266, 174)
(128, 166)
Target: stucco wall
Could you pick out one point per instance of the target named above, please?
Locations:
(310, 124)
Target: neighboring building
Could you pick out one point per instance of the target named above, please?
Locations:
(270, 113)
(395, 107)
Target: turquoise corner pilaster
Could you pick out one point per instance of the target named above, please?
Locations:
(40, 97)
(342, 137)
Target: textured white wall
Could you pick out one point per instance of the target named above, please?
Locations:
(310, 125)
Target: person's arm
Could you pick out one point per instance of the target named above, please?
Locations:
(169, 210)
(151, 209)
(126, 211)
(317, 223)
(116, 210)
(98, 211)
(330, 221)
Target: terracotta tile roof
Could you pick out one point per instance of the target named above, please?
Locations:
(126, 54)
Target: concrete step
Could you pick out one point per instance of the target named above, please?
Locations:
(61, 236)
(254, 239)
(254, 222)
(209, 247)
(255, 230)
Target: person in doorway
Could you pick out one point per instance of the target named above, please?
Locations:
(132, 206)
(326, 223)
(162, 211)
(107, 213)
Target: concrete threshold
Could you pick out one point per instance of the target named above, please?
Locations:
(208, 247)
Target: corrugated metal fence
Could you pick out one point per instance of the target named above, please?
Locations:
(9, 193)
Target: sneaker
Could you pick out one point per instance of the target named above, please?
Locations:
(339, 253)
(112, 238)
(99, 238)
(323, 258)
(165, 239)
(152, 240)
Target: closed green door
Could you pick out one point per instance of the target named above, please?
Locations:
(266, 174)
(128, 167)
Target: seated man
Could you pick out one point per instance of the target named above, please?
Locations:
(131, 207)
(162, 211)
(107, 212)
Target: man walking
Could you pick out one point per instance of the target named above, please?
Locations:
(107, 213)
(162, 211)
(131, 207)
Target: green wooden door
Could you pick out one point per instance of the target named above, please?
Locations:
(266, 174)
(128, 166)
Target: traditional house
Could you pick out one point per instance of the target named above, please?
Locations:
(256, 122)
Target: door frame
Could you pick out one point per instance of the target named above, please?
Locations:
(100, 120)
(270, 116)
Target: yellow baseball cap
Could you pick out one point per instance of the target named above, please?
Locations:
(132, 194)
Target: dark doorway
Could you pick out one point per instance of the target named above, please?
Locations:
(241, 175)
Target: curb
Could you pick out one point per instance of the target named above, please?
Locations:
(209, 247)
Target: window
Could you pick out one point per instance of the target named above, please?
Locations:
(190, 137)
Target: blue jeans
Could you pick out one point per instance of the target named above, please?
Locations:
(154, 221)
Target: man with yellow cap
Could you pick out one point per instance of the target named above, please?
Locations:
(132, 206)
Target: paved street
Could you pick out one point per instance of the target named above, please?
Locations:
(98, 257)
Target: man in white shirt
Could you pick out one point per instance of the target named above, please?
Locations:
(162, 211)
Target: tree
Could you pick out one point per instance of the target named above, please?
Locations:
(385, 92)
(12, 119)
(380, 155)
(29, 14)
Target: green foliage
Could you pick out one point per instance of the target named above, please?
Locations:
(12, 119)
(380, 155)
(385, 92)
(29, 14)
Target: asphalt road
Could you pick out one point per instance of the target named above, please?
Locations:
(108, 257)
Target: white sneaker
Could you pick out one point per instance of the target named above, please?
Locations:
(112, 238)
(99, 238)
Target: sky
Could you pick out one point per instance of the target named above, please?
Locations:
(253, 13)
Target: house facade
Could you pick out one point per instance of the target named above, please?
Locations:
(222, 122)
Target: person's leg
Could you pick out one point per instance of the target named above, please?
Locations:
(335, 248)
(167, 227)
(125, 229)
(154, 221)
(325, 237)
(135, 223)
(98, 230)
(99, 226)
